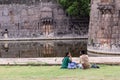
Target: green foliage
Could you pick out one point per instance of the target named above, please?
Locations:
(73, 9)
(76, 7)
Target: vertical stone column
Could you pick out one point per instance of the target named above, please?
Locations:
(104, 29)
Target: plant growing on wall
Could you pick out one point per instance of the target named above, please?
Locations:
(76, 8)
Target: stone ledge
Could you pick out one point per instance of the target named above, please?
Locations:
(44, 38)
(103, 52)
(56, 61)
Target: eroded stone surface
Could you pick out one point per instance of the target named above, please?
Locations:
(104, 27)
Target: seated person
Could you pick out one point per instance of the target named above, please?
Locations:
(67, 59)
(84, 61)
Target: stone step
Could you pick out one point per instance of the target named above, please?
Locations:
(56, 61)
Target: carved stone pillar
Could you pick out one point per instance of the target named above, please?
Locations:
(104, 37)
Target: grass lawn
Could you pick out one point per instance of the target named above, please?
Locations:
(105, 72)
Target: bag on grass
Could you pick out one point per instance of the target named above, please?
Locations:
(72, 65)
(94, 66)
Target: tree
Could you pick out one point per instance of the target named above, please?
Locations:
(76, 8)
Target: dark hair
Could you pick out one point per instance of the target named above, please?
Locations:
(66, 54)
(6, 30)
(83, 52)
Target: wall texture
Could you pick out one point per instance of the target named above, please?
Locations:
(104, 27)
(30, 19)
(36, 19)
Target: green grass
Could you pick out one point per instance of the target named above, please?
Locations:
(105, 72)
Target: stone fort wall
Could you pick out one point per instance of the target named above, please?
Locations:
(26, 18)
(104, 27)
(38, 19)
